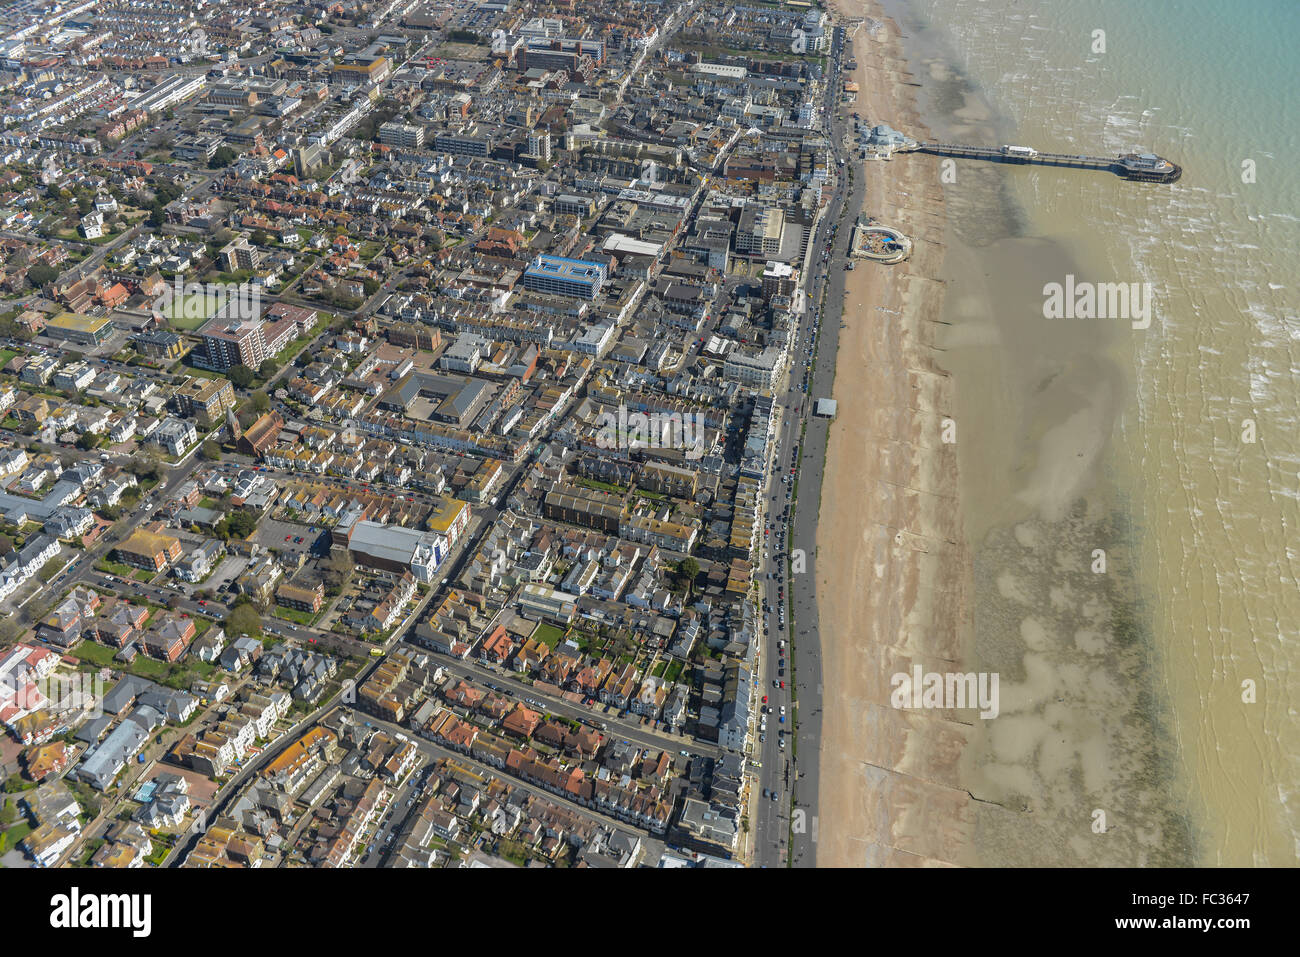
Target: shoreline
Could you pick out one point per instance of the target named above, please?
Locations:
(892, 588)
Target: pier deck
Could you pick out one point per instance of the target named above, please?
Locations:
(1140, 167)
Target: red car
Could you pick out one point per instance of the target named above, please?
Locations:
(783, 685)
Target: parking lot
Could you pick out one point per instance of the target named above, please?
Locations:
(286, 536)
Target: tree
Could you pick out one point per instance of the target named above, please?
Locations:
(261, 401)
(88, 440)
(260, 237)
(222, 158)
(40, 274)
(268, 368)
(688, 569)
(210, 451)
(9, 329)
(338, 572)
(244, 620)
(147, 464)
(236, 524)
(241, 375)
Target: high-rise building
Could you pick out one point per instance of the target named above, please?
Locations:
(539, 144)
(232, 342)
(239, 254)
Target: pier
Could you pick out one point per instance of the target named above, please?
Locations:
(1140, 167)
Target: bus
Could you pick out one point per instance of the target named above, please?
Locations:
(376, 652)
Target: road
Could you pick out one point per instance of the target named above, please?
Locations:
(793, 776)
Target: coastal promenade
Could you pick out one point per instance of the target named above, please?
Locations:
(805, 622)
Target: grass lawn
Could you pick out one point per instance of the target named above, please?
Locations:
(673, 670)
(115, 568)
(93, 653)
(548, 635)
(295, 347)
(5, 356)
(157, 853)
(294, 615)
(17, 833)
(191, 312)
(600, 486)
(97, 656)
(148, 668)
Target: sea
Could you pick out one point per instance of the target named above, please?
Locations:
(1131, 493)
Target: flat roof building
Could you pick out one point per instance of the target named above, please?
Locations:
(83, 330)
(579, 278)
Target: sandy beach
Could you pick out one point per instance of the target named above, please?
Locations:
(893, 584)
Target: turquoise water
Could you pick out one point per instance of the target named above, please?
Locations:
(1204, 451)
